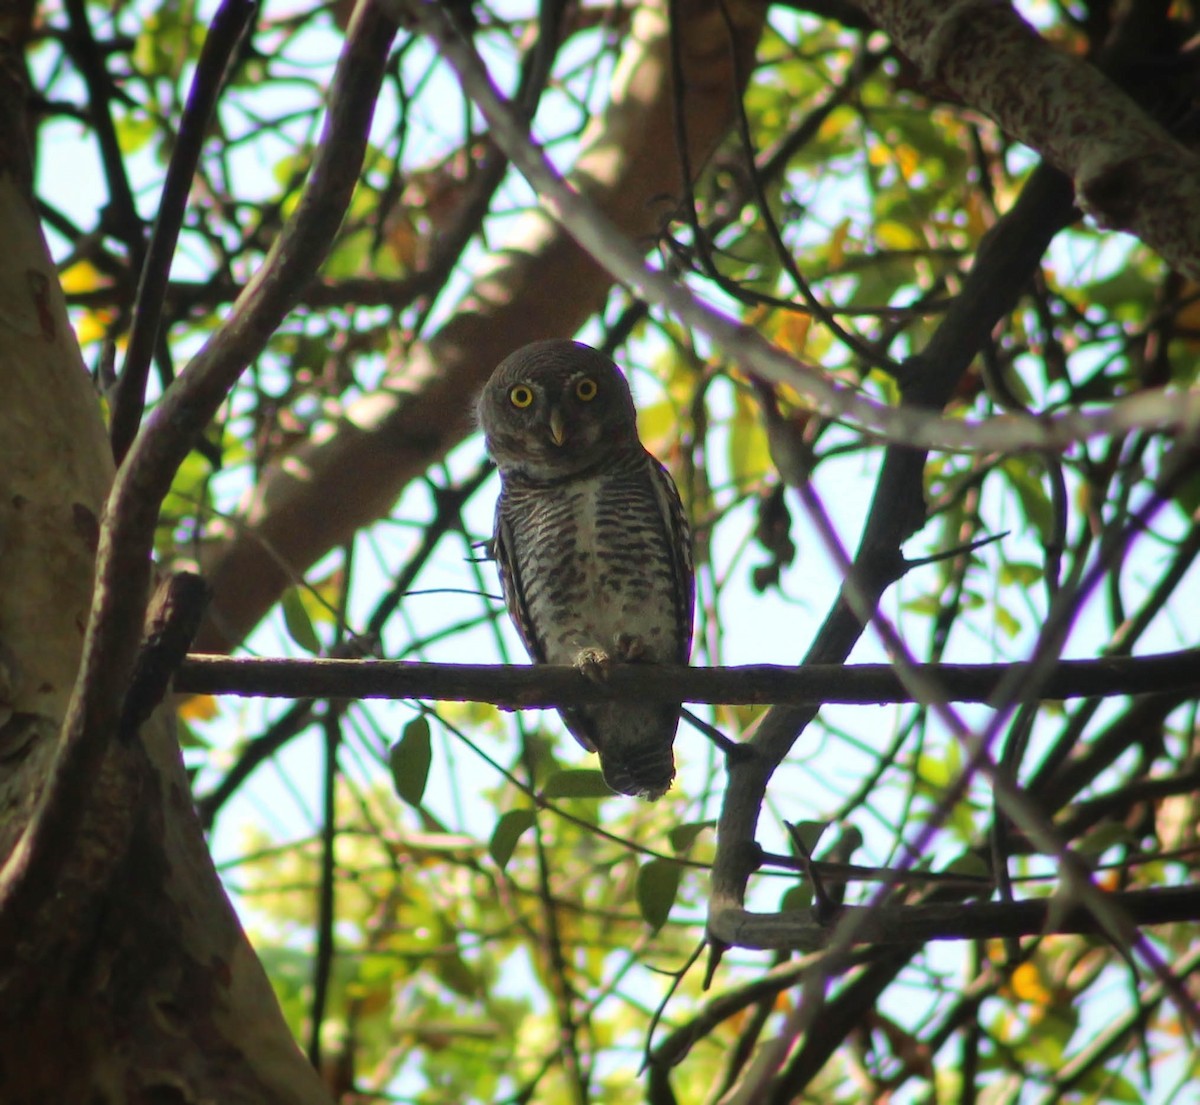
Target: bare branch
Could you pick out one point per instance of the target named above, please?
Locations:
(127, 532)
(536, 284)
(129, 395)
(915, 925)
(522, 687)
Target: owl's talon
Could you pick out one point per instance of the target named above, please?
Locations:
(594, 663)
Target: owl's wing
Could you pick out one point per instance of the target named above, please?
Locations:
(510, 582)
(679, 541)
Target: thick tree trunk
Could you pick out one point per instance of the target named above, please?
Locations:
(124, 974)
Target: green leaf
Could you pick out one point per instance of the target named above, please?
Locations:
(969, 864)
(749, 457)
(682, 837)
(299, 625)
(1127, 286)
(926, 605)
(452, 970)
(888, 388)
(507, 832)
(1021, 574)
(577, 782)
(657, 886)
(934, 771)
(1048, 1045)
(797, 898)
(1026, 480)
(1007, 622)
(189, 495)
(1105, 1084)
(409, 759)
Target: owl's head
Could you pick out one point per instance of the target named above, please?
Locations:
(555, 408)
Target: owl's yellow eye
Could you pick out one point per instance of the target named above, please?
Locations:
(586, 389)
(520, 396)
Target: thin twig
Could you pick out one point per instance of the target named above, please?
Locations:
(129, 396)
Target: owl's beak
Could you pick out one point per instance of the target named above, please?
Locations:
(558, 431)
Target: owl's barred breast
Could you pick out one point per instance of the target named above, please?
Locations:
(595, 563)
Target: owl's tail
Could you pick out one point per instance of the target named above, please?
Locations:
(644, 770)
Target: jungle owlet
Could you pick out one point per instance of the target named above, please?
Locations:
(592, 544)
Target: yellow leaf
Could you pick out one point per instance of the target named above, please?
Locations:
(658, 425)
(792, 332)
(894, 235)
(1026, 984)
(756, 317)
(907, 159)
(93, 326)
(329, 587)
(838, 120)
(199, 707)
(749, 457)
(82, 276)
(837, 244)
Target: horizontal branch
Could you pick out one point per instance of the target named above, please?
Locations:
(522, 687)
(919, 924)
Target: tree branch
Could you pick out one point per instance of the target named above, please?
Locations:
(129, 396)
(126, 535)
(916, 925)
(1007, 257)
(538, 283)
(522, 688)
(1128, 172)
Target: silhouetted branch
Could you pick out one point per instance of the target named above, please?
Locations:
(915, 925)
(129, 396)
(127, 532)
(520, 687)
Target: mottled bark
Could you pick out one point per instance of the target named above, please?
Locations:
(124, 974)
(1129, 174)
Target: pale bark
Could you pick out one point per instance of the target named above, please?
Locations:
(124, 974)
(539, 284)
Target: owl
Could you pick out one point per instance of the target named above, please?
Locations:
(592, 545)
